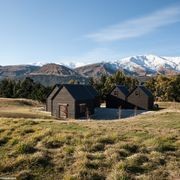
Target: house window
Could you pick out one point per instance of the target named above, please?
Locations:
(116, 93)
(137, 93)
(82, 108)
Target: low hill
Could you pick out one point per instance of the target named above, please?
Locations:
(47, 75)
(16, 71)
(141, 147)
(54, 69)
(51, 74)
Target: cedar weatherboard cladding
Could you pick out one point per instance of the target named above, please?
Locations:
(118, 97)
(50, 96)
(142, 98)
(139, 97)
(63, 97)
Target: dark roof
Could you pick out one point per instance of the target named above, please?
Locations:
(92, 90)
(146, 91)
(123, 89)
(79, 92)
(57, 85)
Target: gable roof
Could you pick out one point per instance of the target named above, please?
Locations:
(123, 89)
(92, 90)
(57, 85)
(79, 92)
(144, 89)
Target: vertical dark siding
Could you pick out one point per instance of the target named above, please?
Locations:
(115, 101)
(139, 99)
(63, 97)
(49, 101)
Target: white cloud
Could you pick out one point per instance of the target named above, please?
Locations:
(138, 27)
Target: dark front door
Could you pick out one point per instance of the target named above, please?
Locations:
(63, 111)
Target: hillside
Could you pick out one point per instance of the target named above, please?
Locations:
(16, 71)
(51, 74)
(37, 147)
(47, 75)
(54, 69)
(98, 69)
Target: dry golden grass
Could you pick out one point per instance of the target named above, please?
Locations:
(22, 108)
(142, 147)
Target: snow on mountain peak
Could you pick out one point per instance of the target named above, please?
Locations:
(150, 63)
(140, 64)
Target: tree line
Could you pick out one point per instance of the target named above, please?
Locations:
(164, 88)
(26, 88)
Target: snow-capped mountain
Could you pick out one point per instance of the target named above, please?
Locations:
(150, 64)
(135, 65)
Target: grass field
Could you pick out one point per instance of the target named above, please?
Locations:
(35, 146)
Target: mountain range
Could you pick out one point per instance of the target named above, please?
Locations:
(135, 65)
(50, 74)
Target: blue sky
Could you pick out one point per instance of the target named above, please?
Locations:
(85, 31)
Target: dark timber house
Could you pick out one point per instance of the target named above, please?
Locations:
(72, 101)
(118, 97)
(142, 98)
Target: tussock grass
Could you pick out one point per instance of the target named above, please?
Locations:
(25, 148)
(144, 147)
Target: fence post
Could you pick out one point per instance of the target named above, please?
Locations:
(120, 111)
(135, 111)
(87, 113)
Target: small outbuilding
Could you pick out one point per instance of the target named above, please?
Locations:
(118, 97)
(141, 98)
(72, 101)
